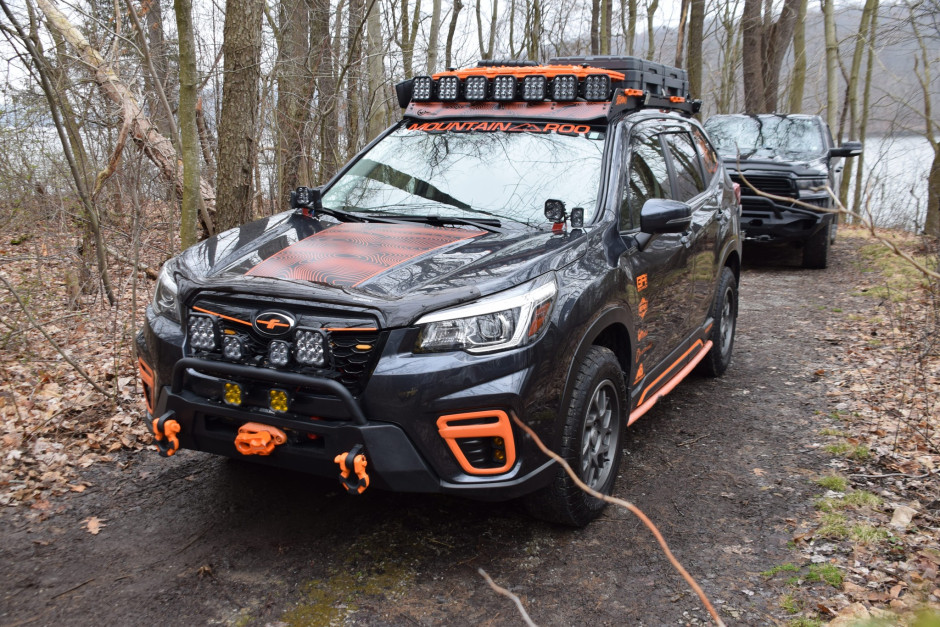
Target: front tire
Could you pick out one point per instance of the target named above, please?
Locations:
(724, 312)
(591, 443)
(816, 250)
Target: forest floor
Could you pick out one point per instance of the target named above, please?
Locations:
(798, 489)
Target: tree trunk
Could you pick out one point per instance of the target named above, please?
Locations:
(628, 9)
(326, 89)
(434, 35)
(695, 52)
(378, 88)
(680, 31)
(595, 26)
(294, 91)
(156, 42)
(832, 63)
(871, 6)
(932, 220)
(863, 124)
(448, 59)
(354, 75)
(607, 14)
(650, 31)
(241, 48)
(798, 78)
(752, 30)
(189, 135)
(765, 45)
(534, 36)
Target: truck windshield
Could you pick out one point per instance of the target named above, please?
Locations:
(473, 174)
(767, 136)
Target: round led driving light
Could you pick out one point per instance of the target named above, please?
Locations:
(232, 348)
(202, 332)
(278, 353)
(310, 348)
(475, 88)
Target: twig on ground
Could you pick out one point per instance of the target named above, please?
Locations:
(65, 356)
(895, 474)
(636, 511)
(508, 594)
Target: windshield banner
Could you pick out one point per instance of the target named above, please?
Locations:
(506, 127)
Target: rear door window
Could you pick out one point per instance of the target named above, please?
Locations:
(690, 181)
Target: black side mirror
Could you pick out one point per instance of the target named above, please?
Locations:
(306, 198)
(659, 215)
(847, 149)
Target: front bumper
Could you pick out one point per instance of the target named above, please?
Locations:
(398, 458)
(765, 220)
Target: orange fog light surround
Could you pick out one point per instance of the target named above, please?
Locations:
(478, 424)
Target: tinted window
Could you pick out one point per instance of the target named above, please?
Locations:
(706, 152)
(689, 179)
(648, 177)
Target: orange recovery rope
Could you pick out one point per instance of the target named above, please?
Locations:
(255, 438)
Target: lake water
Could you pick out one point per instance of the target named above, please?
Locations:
(896, 168)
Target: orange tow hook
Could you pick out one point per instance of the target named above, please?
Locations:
(165, 431)
(349, 463)
(255, 438)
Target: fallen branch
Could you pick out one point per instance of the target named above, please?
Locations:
(508, 594)
(70, 361)
(150, 272)
(636, 511)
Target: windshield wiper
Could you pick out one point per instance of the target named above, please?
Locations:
(492, 225)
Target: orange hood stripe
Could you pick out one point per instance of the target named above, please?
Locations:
(351, 253)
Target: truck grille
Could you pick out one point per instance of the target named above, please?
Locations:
(353, 340)
(768, 184)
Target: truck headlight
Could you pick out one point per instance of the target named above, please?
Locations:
(505, 320)
(811, 184)
(165, 295)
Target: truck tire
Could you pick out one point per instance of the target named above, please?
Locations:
(816, 249)
(591, 443)
(724, 312)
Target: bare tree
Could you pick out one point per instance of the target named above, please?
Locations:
(832, 63)
(765, 43)
(695, 51)
(238, 125)
(189, 134)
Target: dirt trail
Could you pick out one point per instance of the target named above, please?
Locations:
(722, 466)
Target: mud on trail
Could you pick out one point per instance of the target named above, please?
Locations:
(723, 467)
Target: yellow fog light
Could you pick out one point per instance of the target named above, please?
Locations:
(278, 400)
(499, 455)
(233, 394)
(498, 442)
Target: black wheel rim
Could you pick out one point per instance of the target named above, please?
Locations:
(726, 325)
(599, 436)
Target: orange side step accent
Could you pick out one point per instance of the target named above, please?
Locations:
(255, 438)
(147, 379)
(670, 385)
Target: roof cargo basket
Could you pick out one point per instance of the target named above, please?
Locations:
(506, 63)
(654, 78)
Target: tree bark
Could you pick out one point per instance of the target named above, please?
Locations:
(607, 16)
(832, 63)
(240, 98)
(378, 86)
(189, 135)
(863, 124)
(294, 91)
(680, 31)
(871, 6)
(695, 52)
(650, 31)
(628, 8)
(798, 77)
(451, 29)
(765, 45)
(354, 75)
(326, 89)
(595, 26)
(434, 36)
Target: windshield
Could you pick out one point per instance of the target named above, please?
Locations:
(793, 138)
(474, 174)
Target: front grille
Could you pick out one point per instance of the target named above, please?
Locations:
(353, 340)
(768, 184)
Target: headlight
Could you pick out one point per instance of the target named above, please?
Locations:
(505, 320)
(165, 300)
(809, 184)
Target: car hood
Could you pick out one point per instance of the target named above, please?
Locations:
(776, 164)
(399, 270)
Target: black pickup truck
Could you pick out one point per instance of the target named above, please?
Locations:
(557, 244)
(784, 155)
